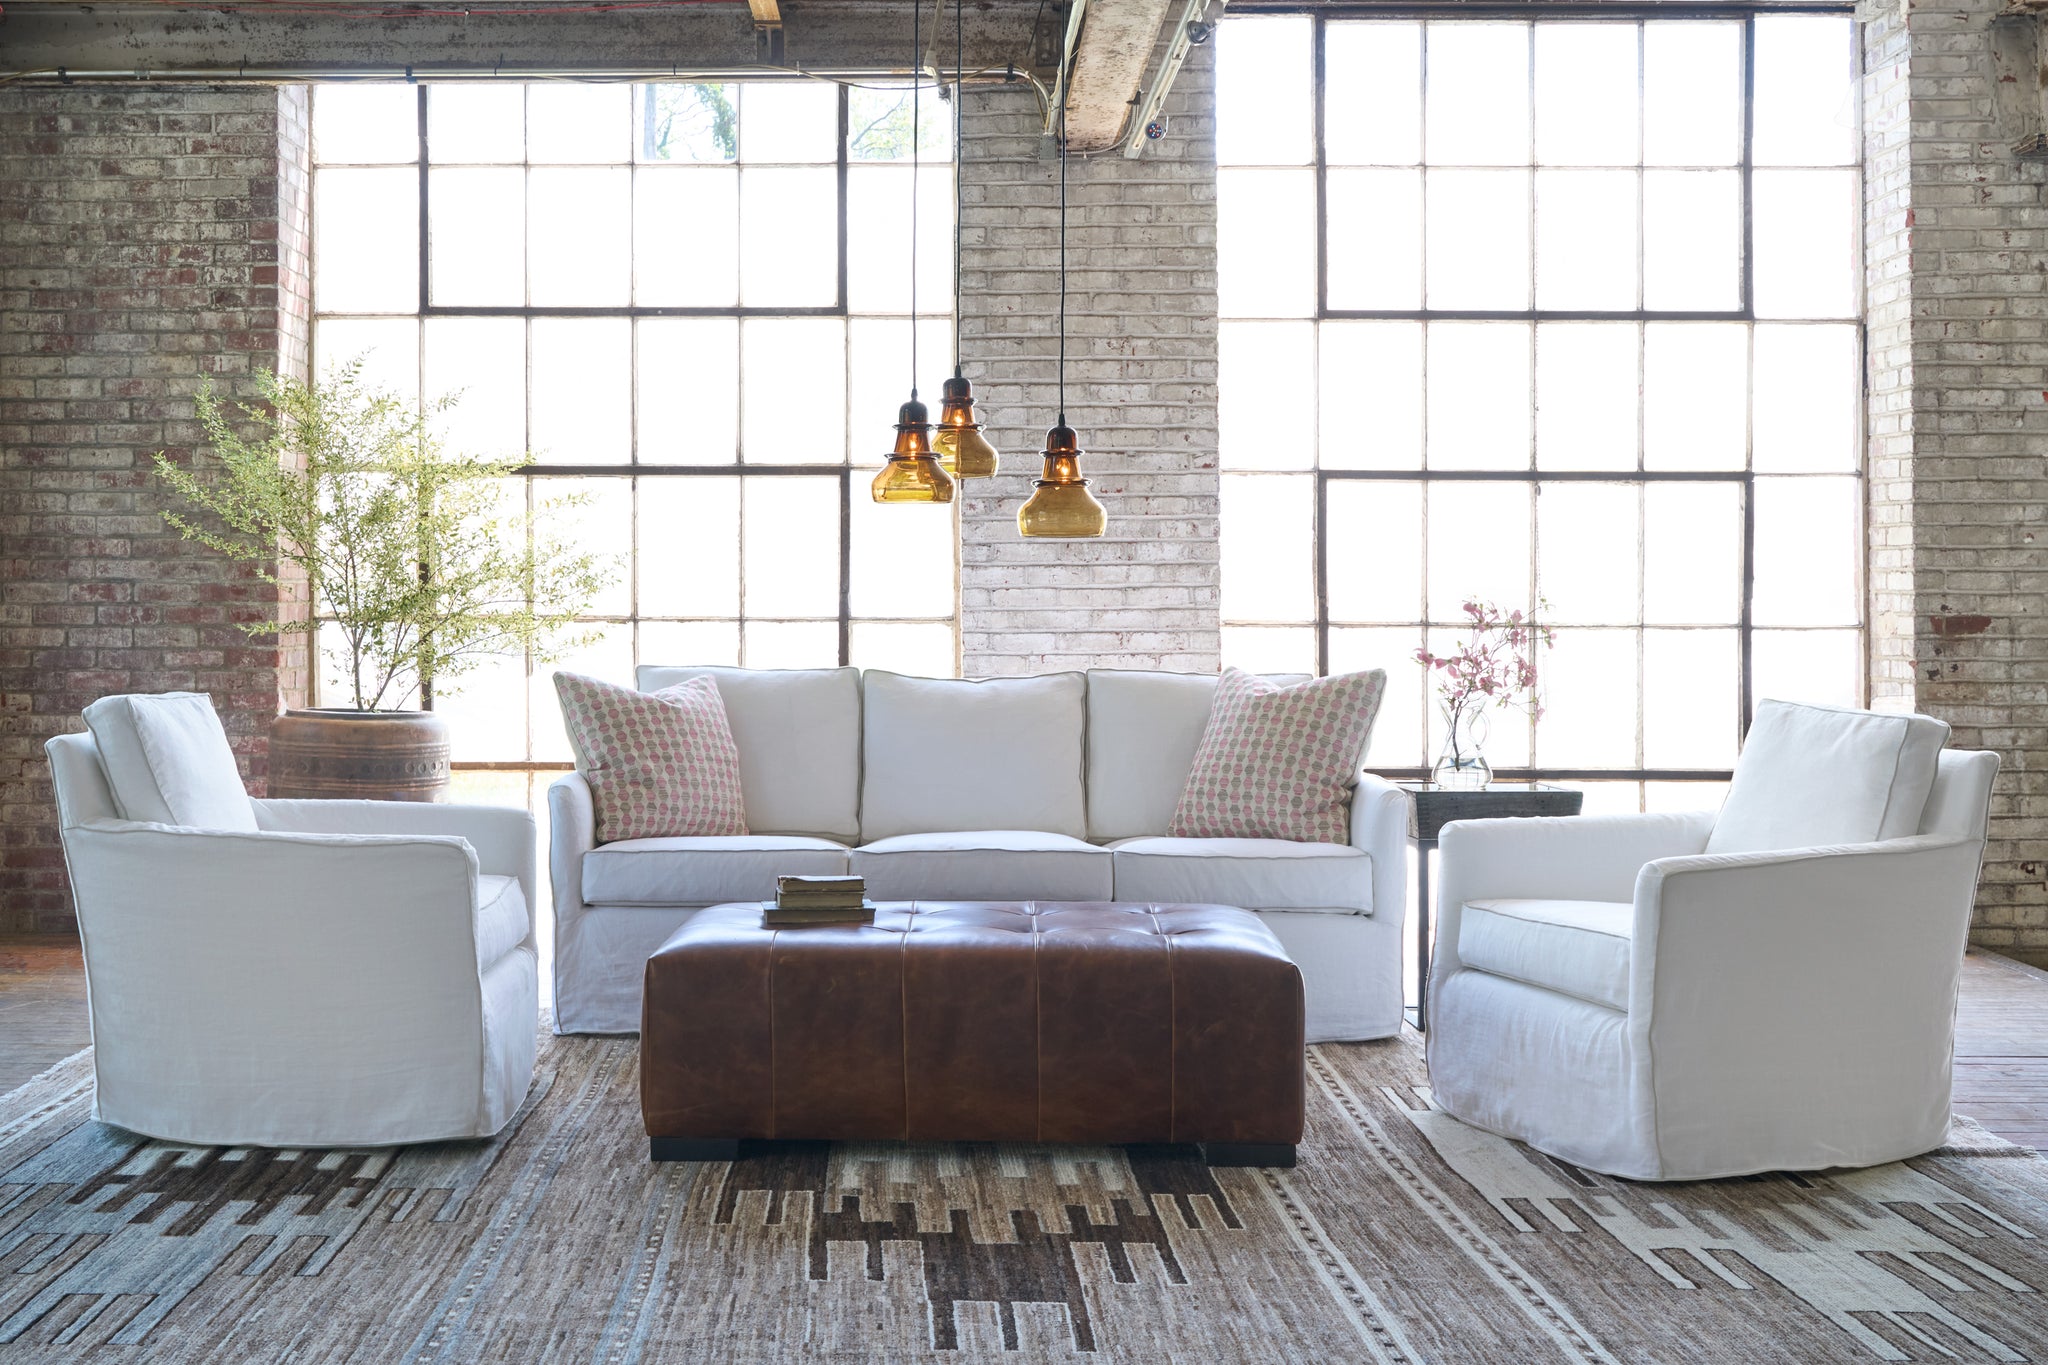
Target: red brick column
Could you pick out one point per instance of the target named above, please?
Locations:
(148, 237)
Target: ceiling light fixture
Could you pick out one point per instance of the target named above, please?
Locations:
(1061, 504)
(963, 450)
(913, 473)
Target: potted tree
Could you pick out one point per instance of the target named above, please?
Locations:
(411, 553)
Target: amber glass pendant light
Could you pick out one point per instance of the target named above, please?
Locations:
(913, 473)
(963, 450)
(1060, 504)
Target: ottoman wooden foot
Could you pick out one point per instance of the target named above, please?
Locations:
(698, 1149)
(1247, 1153)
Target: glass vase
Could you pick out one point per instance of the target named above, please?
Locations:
(1462, 763)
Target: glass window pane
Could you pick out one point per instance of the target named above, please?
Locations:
(1586, 239)
(679, 643)
(366, 233)
(902, 559)
(1375, 552)
(689, 371)
(366, 124)
(475, 123)
(485, 709)
(1268, 526)
(1692, 93)
(1805, 90)
(1695, 383)
(608, 656)
(789, 121)
(582, 391)
(1680, 797)
(1265, 243)
(1260, 421)
(923, 649)
(569, 122)
(790, 564)
(1270, 649)
(689, 559)
(580, 237)
(1608, 798)
(1586, 389)
(798, 415)
(1586, 94)
(476, 246)
(388, 349)
(878, 124)
(1692, 553)
(789, 237)
(1478, 546)
(1478, 94)
(1369, 390)
(481, 364)
(1588, 683)
(1479, 395)
(598, 515)
(1586, 546)
(878, 248)
(1374, 238)
(1478, 239)
(686, 236)
(1820, 666)
(1690, 694)
(698, 123)
(1692, 240)
(1806, 227)
(1807, 399)
(1808, 534)
(1263, 87)
(791, 644)
(1372, 94)
(1397, 732)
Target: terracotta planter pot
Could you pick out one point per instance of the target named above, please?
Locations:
(359, 755)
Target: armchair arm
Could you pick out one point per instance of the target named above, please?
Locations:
(503, 836)
(1823, 978)
(572, 832)
(1379, 825)
(1577, 857)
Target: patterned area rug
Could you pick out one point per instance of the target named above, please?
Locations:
(1402, 1236)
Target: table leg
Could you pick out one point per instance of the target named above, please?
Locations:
(1425, 911)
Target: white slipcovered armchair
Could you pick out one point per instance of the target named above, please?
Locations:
(290, 973)
(1678, 997)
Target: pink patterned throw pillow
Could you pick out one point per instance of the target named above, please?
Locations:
(1279, 762)
(660, 764)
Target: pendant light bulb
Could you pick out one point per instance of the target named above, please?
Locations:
(1061, 504)
(963, 450)
(913, 473)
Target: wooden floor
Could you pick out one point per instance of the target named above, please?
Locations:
(2001, 1030)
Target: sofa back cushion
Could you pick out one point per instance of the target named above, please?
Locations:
(168, 761)
(798, 733)
(1811, 776)
(946, 754)
(1143, 729)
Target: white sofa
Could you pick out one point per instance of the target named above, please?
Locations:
(291, 973)
(1058, 787)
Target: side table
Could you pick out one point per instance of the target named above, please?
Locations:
(1431, 808)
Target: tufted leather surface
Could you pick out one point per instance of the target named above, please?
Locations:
(976, 1021)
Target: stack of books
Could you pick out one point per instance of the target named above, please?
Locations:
(818, 900)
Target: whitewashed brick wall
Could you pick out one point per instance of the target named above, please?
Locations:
(1141, 390)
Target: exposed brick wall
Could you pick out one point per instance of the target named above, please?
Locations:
(1141, 390)
(147, 237)
(1959, 338)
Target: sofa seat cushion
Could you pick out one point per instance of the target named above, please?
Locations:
(1576, 948)
(703, 870)
(985, 865)
(1255, 874)
(500, 918)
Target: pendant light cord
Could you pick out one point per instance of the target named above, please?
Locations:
(959, 146)
(1063, 256)
(916, 88)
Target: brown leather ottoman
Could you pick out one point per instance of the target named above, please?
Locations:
(976, 1022)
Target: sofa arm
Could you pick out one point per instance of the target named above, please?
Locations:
(572, 832)
(503, 836)
(1379, 824)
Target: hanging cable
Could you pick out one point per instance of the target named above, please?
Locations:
(916, 127)
(1063, 260)
(959, 148)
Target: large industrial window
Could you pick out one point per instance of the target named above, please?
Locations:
(1558, 308)
(689, 303)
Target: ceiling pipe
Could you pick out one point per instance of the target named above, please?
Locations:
(1194, 27)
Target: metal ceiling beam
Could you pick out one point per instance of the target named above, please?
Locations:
(1105, 61)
